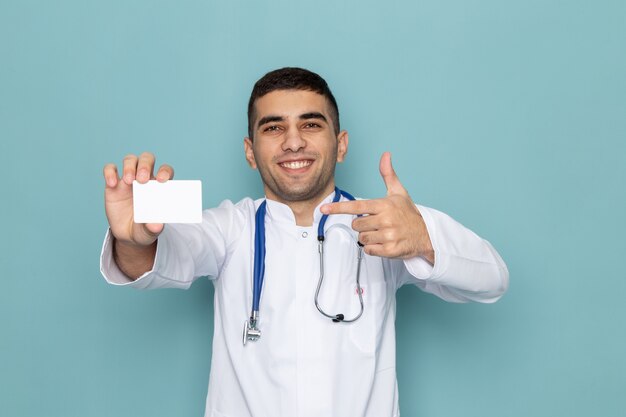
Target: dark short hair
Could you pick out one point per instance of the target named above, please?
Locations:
(290, 78)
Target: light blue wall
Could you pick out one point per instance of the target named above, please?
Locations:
(508, 115)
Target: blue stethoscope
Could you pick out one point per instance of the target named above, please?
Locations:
(250, 329)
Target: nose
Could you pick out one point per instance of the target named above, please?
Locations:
(293, 141)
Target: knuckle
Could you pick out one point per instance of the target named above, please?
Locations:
(388, 248)
(376, 250)
(386, 222)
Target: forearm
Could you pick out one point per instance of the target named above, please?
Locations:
(465, 268)
(182, 252)
(134, 260)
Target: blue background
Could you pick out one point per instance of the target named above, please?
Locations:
(508, 115)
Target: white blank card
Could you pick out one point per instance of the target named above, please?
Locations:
(174, 201)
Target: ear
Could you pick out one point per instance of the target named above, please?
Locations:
(342, 145)
(247, 146)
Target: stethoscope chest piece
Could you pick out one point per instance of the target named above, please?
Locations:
(250, 331)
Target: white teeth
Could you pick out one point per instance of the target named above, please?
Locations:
(296, 164)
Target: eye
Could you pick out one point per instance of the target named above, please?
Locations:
(271, 128)
(312, 125)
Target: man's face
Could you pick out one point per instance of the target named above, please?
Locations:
(294, 146)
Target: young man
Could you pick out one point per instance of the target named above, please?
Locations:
(304, 363)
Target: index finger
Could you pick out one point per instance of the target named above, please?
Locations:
(352, 207)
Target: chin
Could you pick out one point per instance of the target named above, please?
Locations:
(303, 193)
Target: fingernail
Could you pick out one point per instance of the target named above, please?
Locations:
(111, 182)
(324, 209)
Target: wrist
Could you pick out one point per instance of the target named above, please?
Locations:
(429, 256)
(133, 259)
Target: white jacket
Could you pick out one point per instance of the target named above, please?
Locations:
(304, 365)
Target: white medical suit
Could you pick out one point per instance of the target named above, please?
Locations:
(304, 365)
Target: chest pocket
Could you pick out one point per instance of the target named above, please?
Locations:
(366, 332)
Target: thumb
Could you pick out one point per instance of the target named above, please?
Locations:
(146, 233)
(392, 182)
(154, 229)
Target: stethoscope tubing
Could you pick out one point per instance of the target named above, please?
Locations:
(336, 318)
(259, 255)
(251, 332)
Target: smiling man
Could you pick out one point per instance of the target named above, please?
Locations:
(309, 361)
(295, 145)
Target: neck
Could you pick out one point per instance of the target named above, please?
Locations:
(304, 210)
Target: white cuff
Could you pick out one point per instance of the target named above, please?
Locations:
(172, 268)
(419, 267)
(109, 269)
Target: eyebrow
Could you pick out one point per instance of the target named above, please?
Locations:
(269, 119)
(313, 115)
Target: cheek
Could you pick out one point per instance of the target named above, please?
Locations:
(263, 156)
(333, 152)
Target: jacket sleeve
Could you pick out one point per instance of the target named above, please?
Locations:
(184, 252)
(466, 268)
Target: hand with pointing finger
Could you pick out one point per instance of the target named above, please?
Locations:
(393, 227)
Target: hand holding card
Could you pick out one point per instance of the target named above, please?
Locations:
(135, 238)
(119, 201)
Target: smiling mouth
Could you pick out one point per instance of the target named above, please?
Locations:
(296, 164)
